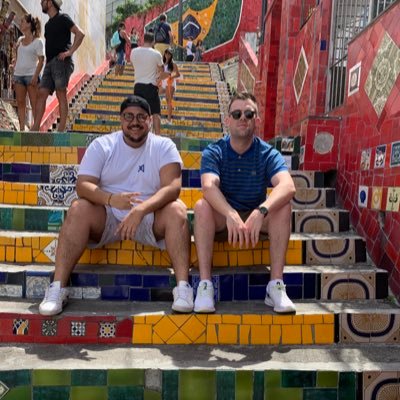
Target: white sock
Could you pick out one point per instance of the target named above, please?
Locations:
(183, 283)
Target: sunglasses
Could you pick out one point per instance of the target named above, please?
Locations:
(129, 117)
(237, 114)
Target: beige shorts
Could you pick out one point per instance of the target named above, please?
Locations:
(144, 233)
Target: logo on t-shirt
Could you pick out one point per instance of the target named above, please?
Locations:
(141, 168)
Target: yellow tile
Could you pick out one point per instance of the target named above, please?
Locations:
(23, 254)
(10, 197)
(202, 318)
(179, 320)
(20, 197)
(139, 319)
(142, 334)
(85, 258)
(260, 334)
(244, 334)
(231, 319)
(307, 336)
(98, 256)
(245, 257)
(37, 158)
(125, 257)
(276, 333)
(294, 257)
(31, 198)
(291, 334)
(227, 334)
(266, 319)
(251, 319)
(329, 318)
(2, 253)
(156, 339)
(142, 257)
(265, 257)
(127, 245)
(179, 338)
(233, 258)
(324, 334)
(19, 242)
(112, 256)
(6, 241)
(282, 319)
(201, 340)
(313, 319)
(27, 242)
(153, 319)
(45, 241)
(257, 257)
(165, 260)
(165, 328)
(193, 328)
(115, 245)
(297, 319)
(214, 319)
(10, 254)
(220, 259)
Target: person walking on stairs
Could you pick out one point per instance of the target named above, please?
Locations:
(120, 49)
(235, 173)
(163, 36)
(128, 186)
(59, 65)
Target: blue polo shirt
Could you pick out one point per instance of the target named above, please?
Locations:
(244, 178)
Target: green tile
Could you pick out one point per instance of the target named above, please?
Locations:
(244, 385)
(51, 377)
(152, 395)
(285, 394)
(126, 377)
(347, 386)
(273, 379)
(298, 379)
(18, 219)
(77, 140)
(225, 385)
(86, 377)
(88, 393)
(258, 387)
(318, 394)
(36, 220)
(203, 381)
(327, 379)
(19, 393)
(6, 216)
(170, 385)
(51, 393)
(15, 378)
(125, 392)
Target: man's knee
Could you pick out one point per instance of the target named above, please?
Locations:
(202, 207)
(175, 209)
(81, 209)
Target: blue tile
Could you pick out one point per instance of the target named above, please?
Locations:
(294, 278)
(45, 173)
(36, 169)
(156, 281)
(259, 279)
(129, 280)
(309, 286)
(115, 292)
(323, 45)
(137, 294)
(241, 287)
(38, 273)
(84, 279)
(3, 277)
(294, 292)
(21, 168)
(256, 292)
(225, 288)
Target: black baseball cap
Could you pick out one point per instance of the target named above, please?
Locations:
(135, 101)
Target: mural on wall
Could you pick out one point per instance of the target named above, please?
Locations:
(212, 21)
(300, 74)
(354, 79)
(384, 72)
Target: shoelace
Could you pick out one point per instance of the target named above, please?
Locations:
(182, 292)
(52, 294)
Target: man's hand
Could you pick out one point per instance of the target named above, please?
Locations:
(64, 55)
(237, 230)
(253, 224)
(128, 226)
(126, 200)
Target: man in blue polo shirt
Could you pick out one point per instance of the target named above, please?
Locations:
(235, 174)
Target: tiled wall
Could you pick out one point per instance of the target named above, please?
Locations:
(178, 384)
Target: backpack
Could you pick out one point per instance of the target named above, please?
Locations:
(115, 40)
(160, 34)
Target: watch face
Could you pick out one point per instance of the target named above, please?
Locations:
(263, 210)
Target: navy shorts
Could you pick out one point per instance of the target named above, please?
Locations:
(56, 74)
(150, 93)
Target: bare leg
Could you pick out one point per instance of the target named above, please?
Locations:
(171, 223)
(280, 220)
(63, 107)
(206, 223)
(169, 94)
(156, 123)
(84, 220)
(33, 93)
(40, 108)
(20, 92)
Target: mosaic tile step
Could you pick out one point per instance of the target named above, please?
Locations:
(50, 219)
(310, 249)
(251, 323)
(49, 194)
(118, 283)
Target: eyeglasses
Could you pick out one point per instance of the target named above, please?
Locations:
(129, 117)
(237, 114)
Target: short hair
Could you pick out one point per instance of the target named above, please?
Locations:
(135, 101)
(243, 96)
(121, 25)
(148, 37)
(163, 17)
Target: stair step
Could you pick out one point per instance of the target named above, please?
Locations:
(251, 323)
(114, 282)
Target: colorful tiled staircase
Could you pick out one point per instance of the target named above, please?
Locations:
(118, 335)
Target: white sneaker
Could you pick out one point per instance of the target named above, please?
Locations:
(183, 298)
(54, 300)
(277, 298)
(204, 302)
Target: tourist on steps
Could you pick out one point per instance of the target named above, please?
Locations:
(59, 65)
(120, 49)
(128, 185)
(235, 173)
(28, 65)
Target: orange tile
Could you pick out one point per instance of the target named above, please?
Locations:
(244, 334)
(276, 334)
(10, 254)
(139, 319)
(251, 319)
(307, 336)
(142, 334)
(179, 338)
(313, 319)
(23, 254)
(329, 318)
(193, 328)
(324, 334)
(260, 334)
(231, 319)
(266, 319)
(214, 319)
(227, 334)
(291, 334)
(212, 334)
(282, 319)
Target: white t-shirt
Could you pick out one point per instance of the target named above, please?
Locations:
(27, 57)
(189, 51)
(146, 61)
(121, 168)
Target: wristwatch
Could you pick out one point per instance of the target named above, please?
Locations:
(263, 210)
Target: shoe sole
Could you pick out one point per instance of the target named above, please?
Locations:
(269, 303)
(182, 310)
(204, 311)
(48, 314)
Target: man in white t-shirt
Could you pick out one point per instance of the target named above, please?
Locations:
(128, 183)
(149, 72)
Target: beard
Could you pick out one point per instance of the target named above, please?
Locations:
(135, 140)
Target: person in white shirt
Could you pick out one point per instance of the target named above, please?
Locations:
(149, 71)
(128, 183)
(189, 49)
(28, 65)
